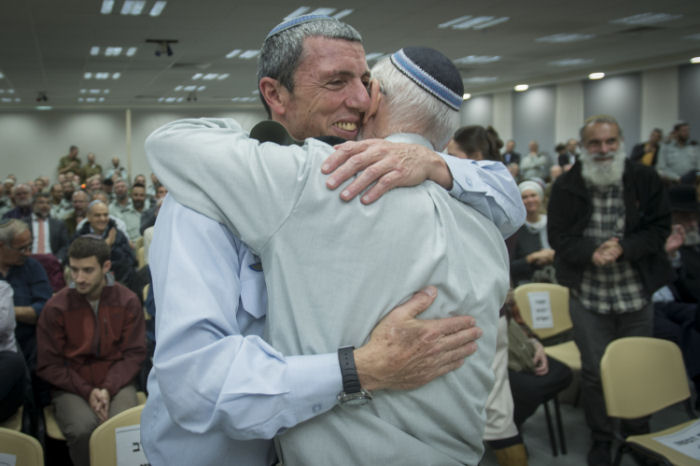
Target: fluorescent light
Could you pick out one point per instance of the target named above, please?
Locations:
(201, 88)
(248, 54)
(571, 62)
(10, 91)
(210, 76)
(107, 6)
(343, 13)
(87, 75)
(466, 96)
(131, 51)
(101, 99)
(564, 38)
(298, 12)
(158, 8)
(42, 108)
(223, 76)
(102, 75)
(160, 99)
(116, 75)
(323, 11)
(2, 91)
(481, 79)
(94, 51)
(197, 76)
(521, 87)
(106, 91)
(476, 22)
(94, 91)
(17, 99)
(133, 7)
(83, 91)
(90, 100)
(190, 88)
(695, 60)
(180, 99)
(80, 99)
(113, 51)
(233, 53)
(1, 75)
(6, 100)
(373, 56)
(477, 59)
(646, 19)
(170, 100)
(596, 75)
(178, 88)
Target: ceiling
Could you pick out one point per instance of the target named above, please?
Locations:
(46, 45)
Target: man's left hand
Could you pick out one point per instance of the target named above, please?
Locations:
(389, 164)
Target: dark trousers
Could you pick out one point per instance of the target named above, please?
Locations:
(676, 322)
(531, 390)
(592, 334)
(12, 383)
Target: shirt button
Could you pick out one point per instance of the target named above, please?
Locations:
(316, 408)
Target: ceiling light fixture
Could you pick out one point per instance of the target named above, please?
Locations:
(477, 59)
(695, 60)
(107, 7)
(480, 79)
(1, 75)
(564, 38)
(596, 75)
(646, 19)
(94, 51)
(158, 8)
(233, 53)
(131, 51)
(248, 54)
(521, 87)
(132, 7)
(571, 62)
(43, 108)
(477, 22)
(113, 51)
(116, 75)
(466, 96)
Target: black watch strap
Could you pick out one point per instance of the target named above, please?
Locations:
(351, 381)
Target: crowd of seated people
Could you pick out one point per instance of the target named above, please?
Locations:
(50, 213)
(43, 222)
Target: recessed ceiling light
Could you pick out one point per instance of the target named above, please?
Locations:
(223, 76)
(201, 88)
(101, 75)
(343, 13)
(373, 56)
(116, 75)
(481, 79)
(233, 53)
(466, 96)
(158, 8)
(10, 91)
(94, 91)
(107, 7)
(298, 12)
(132, 7)
(646, 19)
(323, 11)
(131, 51)
(101, 99)
(210, 76)
(197, 76)
(180, 99)
(521, 87)
(17, 99)
(113, 51)
(87, 75)
(170, 100)
(91, 100)
(596, 75)
(476, 22)
(6, 100)
(572, 62)
(563, 38)
(178, 88)
(1, 75)
(695, 60)
(43, 108)
(248, 54)
(94, 51)
(106, 91)
(477, 59)
(189, 88)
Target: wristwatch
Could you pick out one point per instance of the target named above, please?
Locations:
(353, 394)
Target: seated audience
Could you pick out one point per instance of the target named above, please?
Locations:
(50, 235)
(116, 170)
(22, 200)
(92, 373)
(102, 196)
(678, 157)
(532, 256)
(80, 200)
(129, 209)
(12, 366)
(122, 259)
(60, 206)
(646, 152)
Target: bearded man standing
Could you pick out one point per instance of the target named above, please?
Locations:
(608, 220)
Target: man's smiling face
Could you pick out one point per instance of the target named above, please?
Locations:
(330, 93)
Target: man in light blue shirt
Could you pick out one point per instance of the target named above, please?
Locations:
(218, 390)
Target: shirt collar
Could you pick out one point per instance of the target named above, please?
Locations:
(410, 138)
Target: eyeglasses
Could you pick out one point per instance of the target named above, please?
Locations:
(25, 248)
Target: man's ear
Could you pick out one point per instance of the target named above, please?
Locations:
(375, 96)
(275, 94)
(106, 266)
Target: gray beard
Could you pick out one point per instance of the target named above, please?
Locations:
(601, 174)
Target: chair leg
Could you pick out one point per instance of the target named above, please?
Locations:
(552, 438)
(560, 427)
(618, 454)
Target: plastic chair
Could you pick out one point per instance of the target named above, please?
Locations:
(566, 352)
(27, 449)
(103, 444)
(15, 421)
(52, 429)
(642, 376)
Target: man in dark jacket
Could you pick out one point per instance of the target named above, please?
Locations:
(91, 342)
(608, 220)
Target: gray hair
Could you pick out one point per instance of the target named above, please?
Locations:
(411, 109)
(10, 229)
(281, 53)
(597, 120)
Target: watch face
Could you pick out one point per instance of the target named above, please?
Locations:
(355, 399)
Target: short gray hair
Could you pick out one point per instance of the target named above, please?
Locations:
(599, 119)
(281, 53)
(10, 229)
(411, 109)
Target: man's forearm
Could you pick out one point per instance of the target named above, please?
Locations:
(26, 315)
